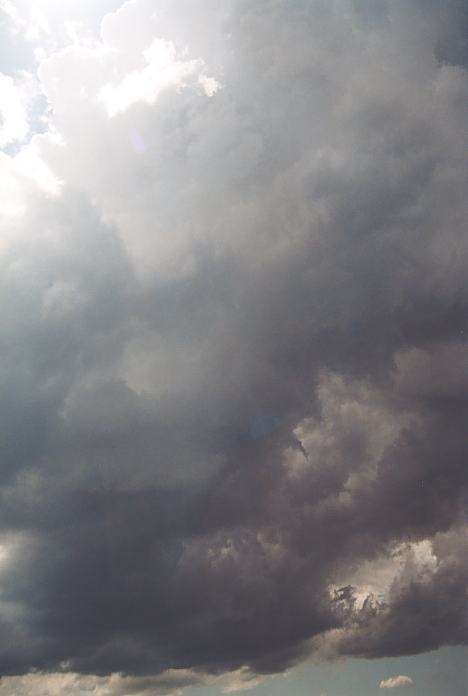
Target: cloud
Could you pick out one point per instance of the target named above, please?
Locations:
(169, 683)
(395, 682)
(13, 115)
(162, 70)
(233, 393)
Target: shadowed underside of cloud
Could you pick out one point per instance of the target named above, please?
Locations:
(233, 366)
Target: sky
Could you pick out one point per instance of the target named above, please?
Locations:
(233, 347)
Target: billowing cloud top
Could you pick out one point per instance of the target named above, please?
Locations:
(233, 327)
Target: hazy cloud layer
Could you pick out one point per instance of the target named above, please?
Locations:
(234, 358)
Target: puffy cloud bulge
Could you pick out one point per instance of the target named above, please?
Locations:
(234, 369)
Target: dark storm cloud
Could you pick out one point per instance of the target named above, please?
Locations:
(232, 359)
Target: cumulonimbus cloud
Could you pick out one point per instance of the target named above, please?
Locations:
(233, 396)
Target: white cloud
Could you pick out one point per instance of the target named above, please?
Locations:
(240, 680)
(32, 25)
(22, 177)
(162, 70)
(169, 683)
(395, 682)
(13, 112)
(209, 84)
(10, 10)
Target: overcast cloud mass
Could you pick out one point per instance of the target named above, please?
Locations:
(233, 341)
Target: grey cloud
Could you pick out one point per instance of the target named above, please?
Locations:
(424, 615)
(289, 251)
